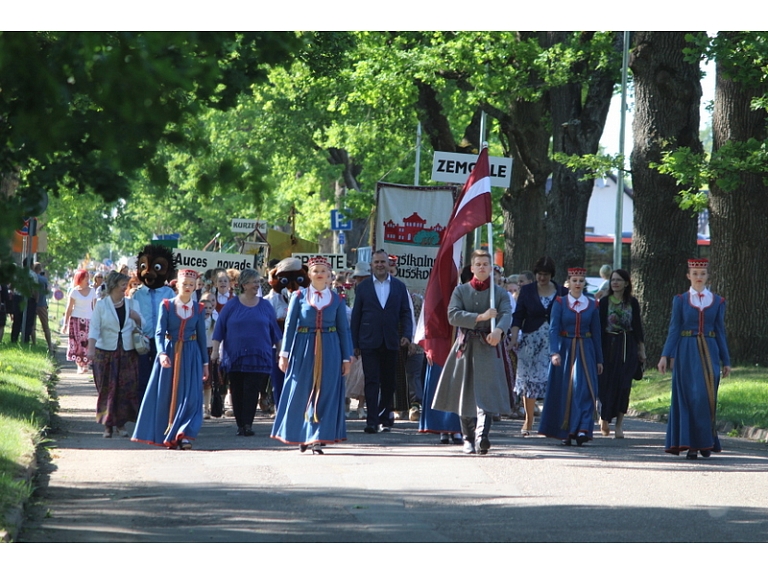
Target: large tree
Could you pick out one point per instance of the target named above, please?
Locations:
(87, 110)
(667, 96)
(578, 110)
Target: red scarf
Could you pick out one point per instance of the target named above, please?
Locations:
(480, 285)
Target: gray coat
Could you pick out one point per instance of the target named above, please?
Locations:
(474, 375)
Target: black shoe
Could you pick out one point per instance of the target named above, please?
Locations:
(691, 455)
(240, 431)
(316, 450)
(457, 440)
(581, 439)
(303, 447)
(248, 432)
(483, 446)
(445, 438)
(370, 429)
(705, 453)
(566, 442)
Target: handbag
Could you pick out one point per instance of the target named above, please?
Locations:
(140, 341)
(638, 375)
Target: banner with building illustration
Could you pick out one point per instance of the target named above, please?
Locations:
(410, 221)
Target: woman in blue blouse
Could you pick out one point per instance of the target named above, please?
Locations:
(248, 328)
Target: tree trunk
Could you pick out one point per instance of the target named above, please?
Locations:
(577, 125)
(738, 223)
(525, 135)
(667, 96)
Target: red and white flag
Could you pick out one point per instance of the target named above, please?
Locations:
(472, 209)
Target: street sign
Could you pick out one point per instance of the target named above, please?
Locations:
(342, 239)
(242, 226)
(339, 221)
(448, 167)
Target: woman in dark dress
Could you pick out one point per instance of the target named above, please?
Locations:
(623, 349)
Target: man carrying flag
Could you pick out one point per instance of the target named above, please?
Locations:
(473, 381)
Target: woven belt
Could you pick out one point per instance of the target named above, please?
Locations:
(314, 329)
(192, 337)
(566, 334)
(690, 333)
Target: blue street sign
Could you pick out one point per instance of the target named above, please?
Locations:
(339, 221)
(342, 238)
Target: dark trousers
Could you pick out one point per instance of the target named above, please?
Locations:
(246, 388)
(474, 428)
(380, 371)
(18, 319)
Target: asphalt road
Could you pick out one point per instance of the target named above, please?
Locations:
(398, 487)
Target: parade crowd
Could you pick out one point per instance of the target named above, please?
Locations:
(313, 348)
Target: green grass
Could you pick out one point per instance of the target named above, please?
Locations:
(742, 398)
(26, 373)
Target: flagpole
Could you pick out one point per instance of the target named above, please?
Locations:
(493, 282)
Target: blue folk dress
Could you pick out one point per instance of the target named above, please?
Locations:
(696, 341)
(172, 408)
(317, 340)
(574, 333)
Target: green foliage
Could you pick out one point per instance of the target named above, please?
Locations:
(86, 111)
(592, 165)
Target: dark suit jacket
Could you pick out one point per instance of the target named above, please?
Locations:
(529, 313)
(374, 326)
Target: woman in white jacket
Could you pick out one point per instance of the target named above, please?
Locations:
(115, 362)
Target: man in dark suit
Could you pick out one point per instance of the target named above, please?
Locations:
(381, 309)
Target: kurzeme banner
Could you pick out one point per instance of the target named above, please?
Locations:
(410, 221)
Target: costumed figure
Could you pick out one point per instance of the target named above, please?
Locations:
(154, 267)
(315, 355)
(696, 344)
(172, 410)
(577, 360)
(285, 278)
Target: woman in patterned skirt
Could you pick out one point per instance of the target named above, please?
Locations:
(77, 320)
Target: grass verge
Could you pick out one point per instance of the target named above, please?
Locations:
(27, 375)
(742, 398)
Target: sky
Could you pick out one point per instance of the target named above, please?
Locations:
(612, 131)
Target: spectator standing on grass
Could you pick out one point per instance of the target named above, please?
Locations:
(42, 307)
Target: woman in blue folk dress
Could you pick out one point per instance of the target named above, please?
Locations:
(171, 413)
(696, 343)
(577, 360)
(314, 355)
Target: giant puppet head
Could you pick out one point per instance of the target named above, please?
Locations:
(289, 274)
(155, 266)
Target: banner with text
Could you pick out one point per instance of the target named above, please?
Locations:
(410, 221)
(201, 261)
(338, 261)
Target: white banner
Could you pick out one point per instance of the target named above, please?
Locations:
(201, 261)
(338, 261)
(450, 167)
(410, 221)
